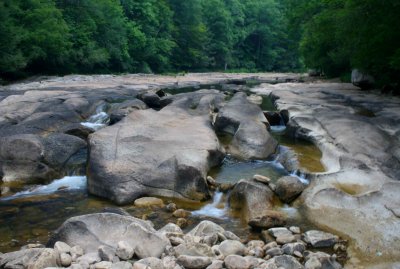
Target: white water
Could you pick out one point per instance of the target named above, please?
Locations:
(211, 210)
(98, 120)
(69, 183)
(300, 176)
(278, 128)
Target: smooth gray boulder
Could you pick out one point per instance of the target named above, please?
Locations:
(166, 153)
(29, 157)
(247, 124)
(107, 229)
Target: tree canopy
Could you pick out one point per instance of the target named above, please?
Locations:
(101, 36)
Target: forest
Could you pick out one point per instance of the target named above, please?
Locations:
(160, 36)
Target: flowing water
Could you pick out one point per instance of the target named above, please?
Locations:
(29, 214)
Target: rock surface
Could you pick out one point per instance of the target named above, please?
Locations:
(86, 232)
(166, 153)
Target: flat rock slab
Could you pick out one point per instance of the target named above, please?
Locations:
(166, 153)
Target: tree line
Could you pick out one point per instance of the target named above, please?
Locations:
(103, 36)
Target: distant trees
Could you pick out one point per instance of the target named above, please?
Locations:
(97, 36)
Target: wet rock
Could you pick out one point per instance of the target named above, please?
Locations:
(321, 260)
(284, 261)
(171, 207)
(194, 249)
(186, 148)
(289, 188)
(205, 228)
(262, 179)
(246, 122)
(194, 262)
(231, 247)
(181, 213)
(225, 187)
(36, 258)
(65, 259)
(106, 253)
(270, 219)
(91, 231)
(149, 202)
(236, 262)
(319, 239)
(290, 248)
(253, 198)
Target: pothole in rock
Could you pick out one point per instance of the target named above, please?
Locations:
(352, 189)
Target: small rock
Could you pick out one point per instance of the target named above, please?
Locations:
(194, 262)
(103, 265)
(288, 188)
(181, 222)
(62, 247)
(274, 252)
(30, 246)
(210, 240)
(217, 264)
(295, 229)
(171, 228)
(65, 259)
(284, 261)
(138, 265)
(124, 251)
(255, 243)
(285, 239)
(270, 245)
(232, 247)
(211, 181)
(225, 187)
(181, 213)
(262, 179)
(289, 249)
(171, 207)
(231, 236)
(76, 266)
(275, 232)
(89, 258)
(149, 202)
(270, 219)
(194, 249)
(76, 252)
(153, 263)
(319, 239)
(236, 262)
(106, 253)
(297, 254)
(121, 265)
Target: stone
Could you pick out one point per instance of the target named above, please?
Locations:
(319, 239)
(65, 259)
(291, 248)
(194, 249)
(262, 179)
(171, 207)
(89, 258)
(246, 122)
(138, 265)
(35, 258)
(194, 262)
(121, 265)
(284, 261)
(236, 262)
(361, 79)
(186, 147)
(285, 239)
(62, 247)
(106, 253)
(255, 199)
(93, 230)
(181, 213)
(289, 188)
(181, 222)
(103, 265)
(230, 235)
(151, 262)
(271, 218)
(77, 266)
(205, 228)
(255, 243)
(216, 264)
(76, 252)
(171, 228)
(211, 181)
(270, 245)
(321, 260)
(124, 251)
(295, 229)
(149, 202)
(272, 252)
(280, 231)
(211, 240)
(231, 247)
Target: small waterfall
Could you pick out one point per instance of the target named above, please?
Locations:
(212, 210)
(69, 183)
(279, 128)
(300, 175)
(98, 120)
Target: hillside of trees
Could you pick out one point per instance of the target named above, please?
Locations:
(103, 36)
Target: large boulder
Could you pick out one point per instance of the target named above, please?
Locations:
(247, 124)
(255, 199)
(35, 258)
(31, 157)
(108, 229)
(166, 153)
(361, 79)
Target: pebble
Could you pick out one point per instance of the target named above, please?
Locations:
(65, 259)
(262, 179)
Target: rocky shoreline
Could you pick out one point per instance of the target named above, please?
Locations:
(112, 241)
(158, 144)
